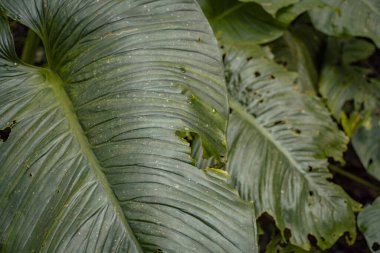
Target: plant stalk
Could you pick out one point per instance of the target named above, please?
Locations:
(353, 177)
(32, 42)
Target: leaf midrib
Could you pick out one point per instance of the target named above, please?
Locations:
(250, 119)
(68, 109)
(228, 11)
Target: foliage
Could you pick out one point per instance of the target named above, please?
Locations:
(138, 135)
(280, 132)
(96, 161)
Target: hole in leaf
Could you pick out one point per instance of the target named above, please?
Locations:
(257, 74)
(272, 77)
(296, 131)
(183, 70)
(370, 162)
(279, 122)
(283, 63)
(310, 168)
(311, 193)
(375, 246)
(231, 110)
(249, 58)
(312, 239)
(4, 133)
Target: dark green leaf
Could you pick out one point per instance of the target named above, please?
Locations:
(240, 23)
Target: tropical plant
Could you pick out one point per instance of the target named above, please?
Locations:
(285, 81)
(137, 134)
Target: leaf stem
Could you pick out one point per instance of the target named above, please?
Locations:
(31, 45)
(353, 177)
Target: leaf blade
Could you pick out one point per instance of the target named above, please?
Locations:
(121, 116)
(274, 158)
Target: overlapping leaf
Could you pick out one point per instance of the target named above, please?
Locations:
(298, 51)
(279, 141)
(369, 223)
(240, 23)
(366, 142)
(352, 93)
(94, 161)
(349, 17)
(288, 14)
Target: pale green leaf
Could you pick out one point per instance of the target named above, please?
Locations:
(279, 142)
(94, 160)
(240, 23)
(369, 223)
(349, 17)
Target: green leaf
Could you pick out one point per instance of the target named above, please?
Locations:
(366, 142)
(369, 222)
(272, 6)
(279, 141)
(237, 23)
(347, 87)
(93, 160)
(352, 92)
(298, 51)
(288, 14)
(349, 17)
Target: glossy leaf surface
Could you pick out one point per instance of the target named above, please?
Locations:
(95, 161)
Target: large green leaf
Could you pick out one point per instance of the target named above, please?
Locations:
(240, 23)
(94, 161)
(369, 223)
(279, 141)
(349, 17)
(352, 93)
